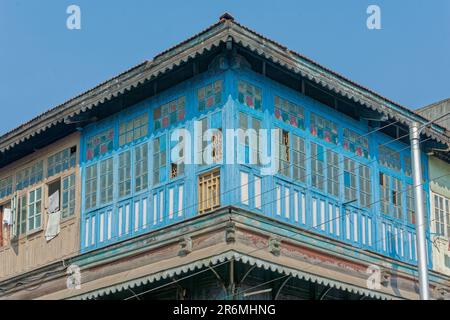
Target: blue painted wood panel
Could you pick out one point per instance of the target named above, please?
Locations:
(281, 197)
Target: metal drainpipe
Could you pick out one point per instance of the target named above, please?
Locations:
(420, 214)
(232, 285)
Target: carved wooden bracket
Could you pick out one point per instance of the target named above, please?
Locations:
(185, 246)
(440, 292)
(275, 246)
(230, 233)
(385, 277)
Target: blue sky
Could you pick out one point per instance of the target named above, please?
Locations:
(43, 64)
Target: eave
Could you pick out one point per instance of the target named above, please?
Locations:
(224, 31)
(156, 255)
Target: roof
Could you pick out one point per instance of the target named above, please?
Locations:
(226, 29)
(436, 110)
(147, 275)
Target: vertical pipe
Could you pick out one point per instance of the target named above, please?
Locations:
(420, 215)
(231, 280)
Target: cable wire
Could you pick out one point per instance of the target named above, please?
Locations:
(255, 250)
(237, 188)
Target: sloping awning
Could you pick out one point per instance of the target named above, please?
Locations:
(223, 258)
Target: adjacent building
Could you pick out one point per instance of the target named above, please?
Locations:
(173, 201)
(439, 190)
(39, 205)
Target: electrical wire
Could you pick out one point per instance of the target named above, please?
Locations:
(234, 189)
(261, 248)
(304, 270)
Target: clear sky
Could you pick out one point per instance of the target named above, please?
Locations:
(43, 64)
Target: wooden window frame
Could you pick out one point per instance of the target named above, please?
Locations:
(318, 178)
(445, 211)
(214, 91)
(250, 95)
(141, 166)
(106, 178)
(71, 196)
(92, 181)
(67, 160)
(125, 174)
(134, 129)
(159, 166)
(105, 144)
(299, 158)
(294, 113)
(36, 204)
(350, 188)
(209, 191)
(333, 173)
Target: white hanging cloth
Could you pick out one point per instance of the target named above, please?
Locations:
(7, 216)
(53, 202)
(53, 227)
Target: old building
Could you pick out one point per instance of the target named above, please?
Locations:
(334, 221)
(439, 191)
(39, 208)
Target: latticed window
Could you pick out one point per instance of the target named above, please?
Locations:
(397, 197)
(391, 195)
(209, 140)
(68, 196)
(324, 129)
(215, 138)
(298, 158)
(133, 130)
(91, 187)
(441, 215)
(289, 113)
(100, 144)
(22, 218)
(365, 189)
(250, 143)
(209, 191)
(141, 167)
(333, 173)
(256, 152)
(250, 95)
(356, 143)
(284, 150)
(202, 143)
(106, 180)
(29, 176)
(210, 95)
(177, 167)
(349, 179)
(159, 159)
(244, 144)
(408, 167)
(216, 145)
(389, 158)
(6, 187)
(34, 209)
(124, 174)
(61, 161)
(410, 205)
(169, 113)
(385, 193)
(317, 166)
